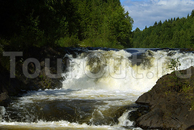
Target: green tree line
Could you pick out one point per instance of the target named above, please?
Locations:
(27, 23)
(172, 33)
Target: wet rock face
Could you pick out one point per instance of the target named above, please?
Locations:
(8, 86)
(171, 103)
(20, 84)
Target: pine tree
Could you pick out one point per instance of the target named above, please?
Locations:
(192, 13)
(155, 24)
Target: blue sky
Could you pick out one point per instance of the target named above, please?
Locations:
(146, 12)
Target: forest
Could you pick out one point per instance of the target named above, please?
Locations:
(172, 33)
(66, 23)
(85, 23)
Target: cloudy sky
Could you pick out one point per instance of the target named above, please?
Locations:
(146, 12)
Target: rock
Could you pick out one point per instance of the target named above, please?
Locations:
(21, 84)
(2, 112)
(138, 112)
(3, 96)
(190, 128)
(8, 86)
(171, 103)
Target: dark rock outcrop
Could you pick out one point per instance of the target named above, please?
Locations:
(21, 84)
(171, 102)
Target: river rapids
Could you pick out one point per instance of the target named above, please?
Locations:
(99, 90)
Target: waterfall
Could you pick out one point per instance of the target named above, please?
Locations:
(97, 88)
(121, 70)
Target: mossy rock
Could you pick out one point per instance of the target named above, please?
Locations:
(171, 103)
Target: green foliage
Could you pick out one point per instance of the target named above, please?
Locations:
(192, 13)
(72, 41)
(3, 43)
(172, 33)
(174, 64)
(4, 61)
(102, 23)
(187, 89)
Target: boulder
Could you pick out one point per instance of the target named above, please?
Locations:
(170, 101)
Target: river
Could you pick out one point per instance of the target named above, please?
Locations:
(99, 90)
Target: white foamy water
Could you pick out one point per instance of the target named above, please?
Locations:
(113, 71)
(100, 81)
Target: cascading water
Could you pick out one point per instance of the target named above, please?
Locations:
(99, 90)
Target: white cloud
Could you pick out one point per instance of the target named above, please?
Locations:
(146, 12)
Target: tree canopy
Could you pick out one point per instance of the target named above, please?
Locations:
(26, 23)
(172, 33)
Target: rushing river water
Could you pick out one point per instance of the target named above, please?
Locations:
(99, 91)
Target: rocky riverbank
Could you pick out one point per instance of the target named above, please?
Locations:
(20, 84)
(48, 76)
(170, 101)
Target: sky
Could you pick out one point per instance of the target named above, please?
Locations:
(146, 12)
